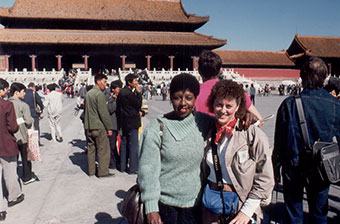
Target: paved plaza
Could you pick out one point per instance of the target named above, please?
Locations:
(66, 194)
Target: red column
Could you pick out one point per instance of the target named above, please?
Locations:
(123, 61)
(172, 62)
(86, 64)
(148, 61)
(7, 62)
(59, 62)
(194, 62)
(33, 61)
(330, 68)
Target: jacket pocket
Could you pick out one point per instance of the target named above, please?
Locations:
(244, 162)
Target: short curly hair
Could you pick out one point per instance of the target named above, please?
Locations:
(184, 81)
(230, 90)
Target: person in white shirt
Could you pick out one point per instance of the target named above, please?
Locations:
(54, 104)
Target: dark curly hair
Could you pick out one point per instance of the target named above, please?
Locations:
(230, 90)
(184, 81)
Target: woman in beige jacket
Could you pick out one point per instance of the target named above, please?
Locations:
(244, 155)
(25, 121)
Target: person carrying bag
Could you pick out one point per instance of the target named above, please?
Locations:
(241, 176)
(325, 155)
(219, 198)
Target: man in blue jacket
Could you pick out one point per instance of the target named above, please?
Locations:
(129, 103)
(33, 100)
(323, 121)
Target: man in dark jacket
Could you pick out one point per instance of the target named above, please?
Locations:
(8, 152)
(33, 100)
(115, 87)
(98, 127)
(129, 103)
(298, 170)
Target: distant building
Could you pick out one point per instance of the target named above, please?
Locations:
(102, 34)
(327, 48)
(285, 64)
(260, 65)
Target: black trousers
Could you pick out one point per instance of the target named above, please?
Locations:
(175, 215)
(26, 164)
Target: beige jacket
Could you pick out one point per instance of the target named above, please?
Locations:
(250, 168)
(24, 119)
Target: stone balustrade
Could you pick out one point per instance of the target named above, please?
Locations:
(156, 76)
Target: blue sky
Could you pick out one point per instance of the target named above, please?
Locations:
(262, 24)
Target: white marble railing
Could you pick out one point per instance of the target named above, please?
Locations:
(159, 76)
(38, 77)
(42, 77)
(84, 77)
(156, 76)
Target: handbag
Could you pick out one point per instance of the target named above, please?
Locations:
(326, 155)
(211, 200)
(132, 207)
(36, 108)
(33, 150)
(219, 202)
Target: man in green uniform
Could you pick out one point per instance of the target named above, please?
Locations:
(98, 127)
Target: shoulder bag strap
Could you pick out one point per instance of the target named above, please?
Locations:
(217, 167)
(160, 130)
(302, 120)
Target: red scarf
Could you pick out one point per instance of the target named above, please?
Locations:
(226, 129)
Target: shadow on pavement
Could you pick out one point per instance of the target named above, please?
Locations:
(80, 159)
(78, 143)
(46, 136)
(104, 218)
(121, 194)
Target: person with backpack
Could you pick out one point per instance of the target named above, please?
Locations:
(298, 168)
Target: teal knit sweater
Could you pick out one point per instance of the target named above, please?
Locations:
(170, 172)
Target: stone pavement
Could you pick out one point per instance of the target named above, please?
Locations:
(65, 194)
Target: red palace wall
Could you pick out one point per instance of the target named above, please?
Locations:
(268, 74)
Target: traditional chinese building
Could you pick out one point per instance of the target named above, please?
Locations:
(101, 34)
(260, 65)
(327, 48)
(285, 64)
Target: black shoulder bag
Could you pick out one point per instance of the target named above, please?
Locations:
(325, 154)
(132, 207)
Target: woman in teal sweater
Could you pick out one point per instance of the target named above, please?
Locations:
(171, 152)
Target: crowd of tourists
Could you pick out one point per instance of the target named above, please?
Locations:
(21, 110)
(206, 161)
(212, 122)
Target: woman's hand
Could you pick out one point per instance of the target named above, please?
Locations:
(153, 218)
(240, 218)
